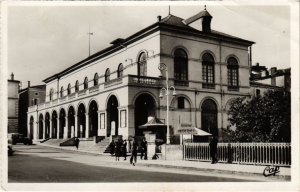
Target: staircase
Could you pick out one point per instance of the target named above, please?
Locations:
(55, 142)
(89, 145)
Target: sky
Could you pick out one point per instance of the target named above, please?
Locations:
(44, 40)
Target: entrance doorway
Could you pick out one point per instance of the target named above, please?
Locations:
(81, 121)
(112, 115)
(93, 119)
(71, 122)
(209, 117)
(144, 108)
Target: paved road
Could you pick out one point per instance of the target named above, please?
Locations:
(41, 164)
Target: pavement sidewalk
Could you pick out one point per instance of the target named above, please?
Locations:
(224, 168)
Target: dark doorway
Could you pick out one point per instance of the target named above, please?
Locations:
(81, 121)
(41, 126)
(47, 125)
(209, 117)
(54, 125)
(31, 127)
(144, 108)
(71, 122)
(112, 114)
(93, 119)
(62, 123)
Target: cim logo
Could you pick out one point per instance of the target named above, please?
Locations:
(271, 170)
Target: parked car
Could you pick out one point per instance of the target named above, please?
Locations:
(15, 138)
(10, 150)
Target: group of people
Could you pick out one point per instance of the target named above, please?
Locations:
(119, 149)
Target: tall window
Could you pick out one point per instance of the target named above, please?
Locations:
(76, 86)
(107, 75)
(142, 64)
(120, 71)
(96, 79)
(233, 73)
(61, 91)
(208, 71)
(69, 89)
(51, 94)
(180, 67)
(86, 83)
(180, 102)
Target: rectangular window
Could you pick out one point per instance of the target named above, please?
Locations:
(208, 76)
(123, 117)
(102, 121)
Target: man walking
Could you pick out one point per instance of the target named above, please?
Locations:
(144, 145)
(124, 149)
(213, 145)
(133, 152)
(77, 143)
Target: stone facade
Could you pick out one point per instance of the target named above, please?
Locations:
(13, 105)
(118, 102)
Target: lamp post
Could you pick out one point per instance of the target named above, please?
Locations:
(166, 90)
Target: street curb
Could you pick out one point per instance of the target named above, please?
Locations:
(188, 168)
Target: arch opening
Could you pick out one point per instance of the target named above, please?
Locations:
(93, 119)
(112, 116)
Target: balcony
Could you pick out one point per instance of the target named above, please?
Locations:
(183, 83)
(113, 82)
(94, 89)
(208, 85)
(82, 92)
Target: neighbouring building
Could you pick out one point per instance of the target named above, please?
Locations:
(117, 89)
(30, 96)
(262, 79)
(13, 104)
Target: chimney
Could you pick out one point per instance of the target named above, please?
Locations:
(12, 76)
(28, 84)
(159, 18)
(273, 78)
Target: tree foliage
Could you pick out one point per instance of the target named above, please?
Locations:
(264, 118)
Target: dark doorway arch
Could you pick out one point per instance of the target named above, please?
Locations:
(62, 123)
(71, 121)
(144, 107)
(41, 126)
(209, 117)
(81, 121)
(31, 123)
(47, 125)
(112, 114)
(93, 119)
(54, 124)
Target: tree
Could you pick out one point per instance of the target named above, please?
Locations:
(264, 118)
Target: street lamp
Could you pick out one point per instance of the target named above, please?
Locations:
(162, 67)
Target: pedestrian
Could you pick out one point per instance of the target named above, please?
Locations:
(77, 142)
(144, 145)
(112, 146)
(118, 149)
(213, 145)
(124, 149)
(133, 152)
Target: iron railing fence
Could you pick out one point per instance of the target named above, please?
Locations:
(277, 154)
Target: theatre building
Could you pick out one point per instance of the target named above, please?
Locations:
(115, 90)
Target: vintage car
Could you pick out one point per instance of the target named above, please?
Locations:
(15, 138)
(10, 150)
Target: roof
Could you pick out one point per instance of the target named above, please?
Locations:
(169, 23)
(201, 14)
(263, 85)
(34, 87)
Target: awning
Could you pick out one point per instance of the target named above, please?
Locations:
(188, 129)
(153, 122)
(200, 132)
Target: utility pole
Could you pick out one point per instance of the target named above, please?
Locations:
(89, 34)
